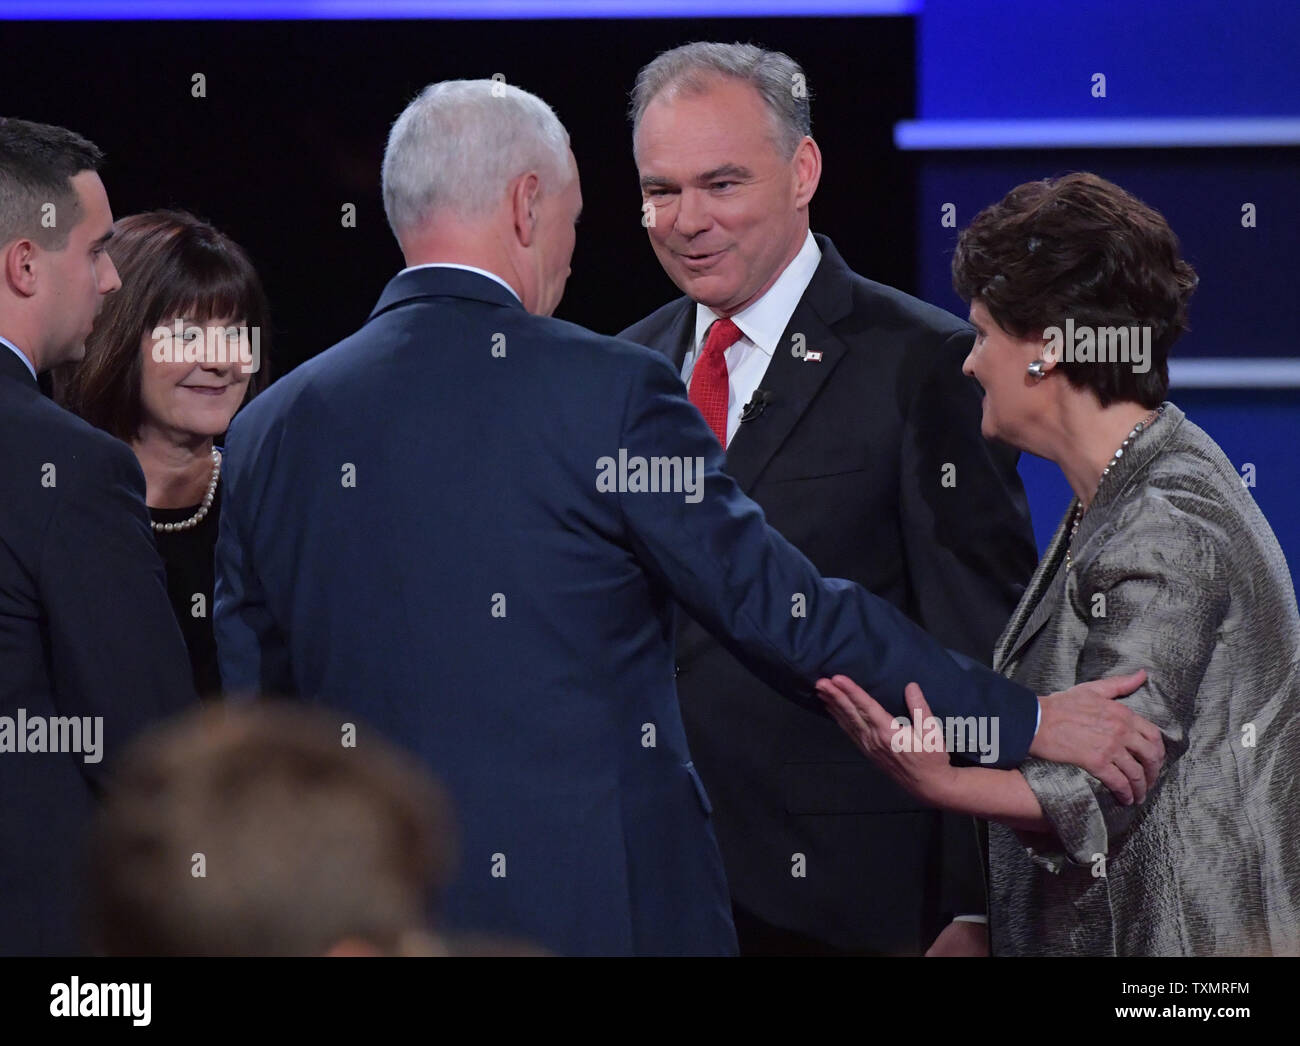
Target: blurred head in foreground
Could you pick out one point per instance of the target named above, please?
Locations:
(253, 830)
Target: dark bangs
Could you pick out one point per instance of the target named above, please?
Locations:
(171, 264)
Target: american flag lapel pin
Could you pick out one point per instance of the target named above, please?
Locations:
(813, 357)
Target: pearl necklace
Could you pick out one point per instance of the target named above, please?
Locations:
(197, 518)
(1134, 432)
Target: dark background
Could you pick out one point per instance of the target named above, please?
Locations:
(297, 114)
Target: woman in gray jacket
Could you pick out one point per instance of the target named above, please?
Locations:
(1164, 562)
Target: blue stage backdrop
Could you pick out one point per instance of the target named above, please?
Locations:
(1200, 117)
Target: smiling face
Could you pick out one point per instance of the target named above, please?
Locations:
(1014, 399)
(730, 211)
(196, 400)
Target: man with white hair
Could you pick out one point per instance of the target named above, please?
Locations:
(467, 524)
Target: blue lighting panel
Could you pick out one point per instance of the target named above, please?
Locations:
(462, 9)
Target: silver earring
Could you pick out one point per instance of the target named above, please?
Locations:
(1037, 369)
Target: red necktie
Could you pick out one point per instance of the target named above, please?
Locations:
(709, 385)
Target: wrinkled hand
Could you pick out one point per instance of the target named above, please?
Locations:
(962, 938)
(895, 749)
(1087, 727)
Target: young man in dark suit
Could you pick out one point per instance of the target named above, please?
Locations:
(845, 415)
(89, 648)
(467, 524)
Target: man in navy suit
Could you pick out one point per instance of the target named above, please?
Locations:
(90, 651)
(467, 524)
(867, 455)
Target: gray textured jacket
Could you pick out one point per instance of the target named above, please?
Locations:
(1176, 571)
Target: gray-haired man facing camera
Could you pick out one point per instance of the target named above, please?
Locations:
(845, 415)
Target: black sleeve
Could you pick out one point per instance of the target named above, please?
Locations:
(115, 647)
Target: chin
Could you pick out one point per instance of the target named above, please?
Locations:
(206, 427)
(705, 290)
(988, 423)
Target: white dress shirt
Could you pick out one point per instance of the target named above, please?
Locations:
(467, 268)
(761, 325)
(19, 353)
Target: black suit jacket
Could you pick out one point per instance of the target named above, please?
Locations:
(849, 462)
(85, 630)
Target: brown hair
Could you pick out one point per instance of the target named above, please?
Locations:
(1080, 247)
(37, 164)
(305, 842)
(171, 264)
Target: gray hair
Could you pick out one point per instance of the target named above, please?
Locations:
(459, 144)
(694, 68)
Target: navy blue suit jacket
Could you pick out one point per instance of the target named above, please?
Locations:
(86, 630)
(414, 533)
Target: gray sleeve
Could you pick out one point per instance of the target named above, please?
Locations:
(1153, 588)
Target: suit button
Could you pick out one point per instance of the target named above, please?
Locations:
(677, 670)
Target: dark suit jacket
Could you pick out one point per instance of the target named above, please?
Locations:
(415, 532)
(85, 630)
(848, 462)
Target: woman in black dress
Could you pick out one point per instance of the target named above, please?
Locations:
(174, 354)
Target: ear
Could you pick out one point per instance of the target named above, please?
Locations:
(523, 199)
(20, 267)
(807, 170)
(1050, 349)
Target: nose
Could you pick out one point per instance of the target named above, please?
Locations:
(692, 213)
(967, 366)
(109, 280)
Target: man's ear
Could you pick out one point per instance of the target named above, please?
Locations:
(524, 198)
(808, 171)
(20, 267)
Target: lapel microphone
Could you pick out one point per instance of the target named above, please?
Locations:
(755, 407)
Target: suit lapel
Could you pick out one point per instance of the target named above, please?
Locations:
(681, 336)
(794, 381)
(1034, 609)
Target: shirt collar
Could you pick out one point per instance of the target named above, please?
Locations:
(467, 268)
(764, 321)
(19, 353)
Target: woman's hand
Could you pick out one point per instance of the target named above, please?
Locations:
(898, 750)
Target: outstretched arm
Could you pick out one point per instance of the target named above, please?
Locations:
(765, 602)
